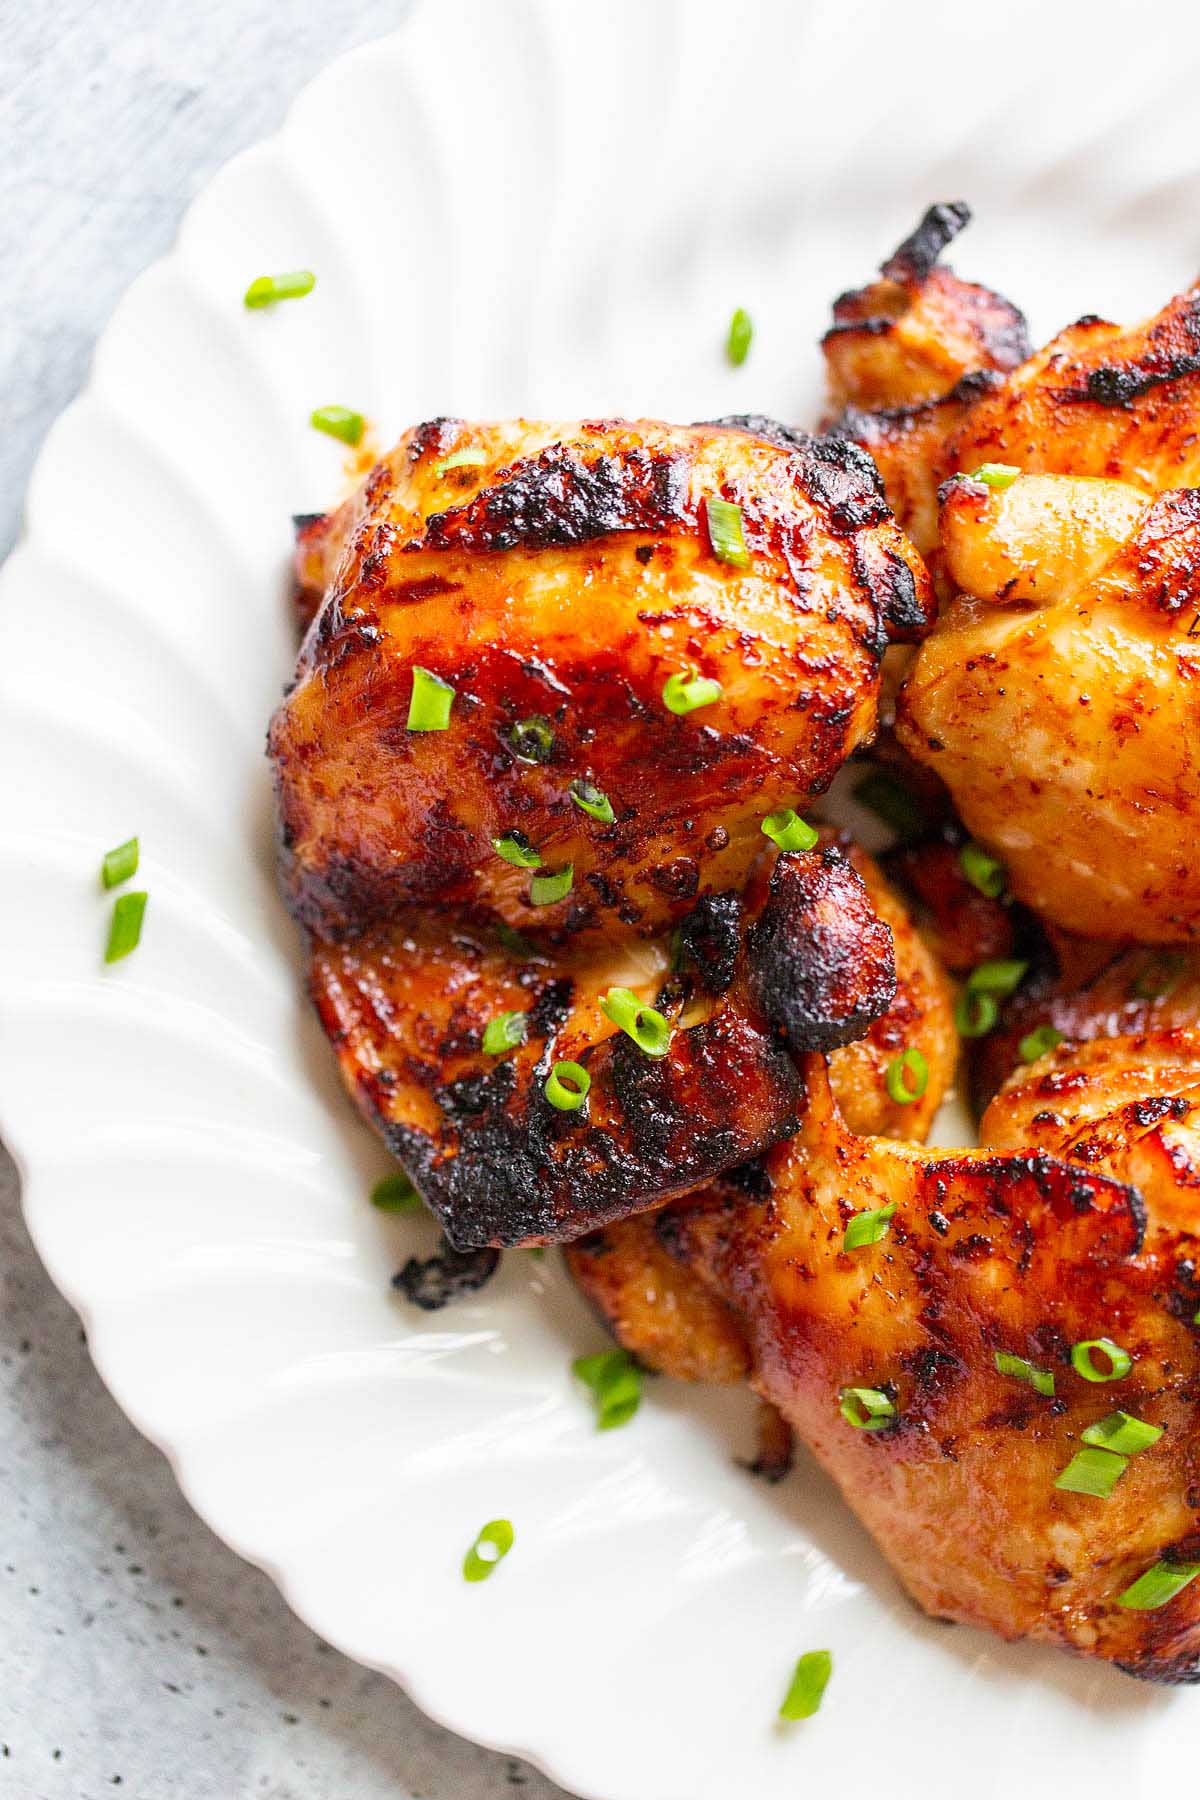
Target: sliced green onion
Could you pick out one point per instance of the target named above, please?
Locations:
(1160, 976)
(1040, 1380)
(1092, 1471)
(741, 335)
(1037, 1042)
(492, 1545)
(1002, 977)
(265, 290)
(515, 848)
(867, 1409)
(881, 793)
(907, 1077)
(725, 532)
(981, 870)
(616, 1384)
(592, 801)
(120, 864)
(648, 1029)
(787, 829)
(808, 1684)
(995, 475)
(1158, 1585)
(339, 422)
(975, 1014)
(395, 1194)
(505, 1032)
(124, 933)
(869, 1227)
(1119, 1361)
(432, 698)
(567, 1086)
(688, 692)
(1121, 1432)
(532, 739)
(544, 890)
(471, 456)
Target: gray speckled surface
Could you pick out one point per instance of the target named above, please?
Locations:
(137, 1654)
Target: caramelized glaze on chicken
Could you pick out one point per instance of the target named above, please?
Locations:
(908, 357)
(564, 574)
(799, 960)
(1011, 1250)
(1057, 698)
(660, 1310)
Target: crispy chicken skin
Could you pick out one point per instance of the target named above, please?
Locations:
(908, 357)
(565, 577)
(660, 1310)
(995, 1249)
(799, 960)
(1101, 399)
(1057, 697)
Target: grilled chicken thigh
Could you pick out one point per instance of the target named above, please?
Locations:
(626, 687)
(907, 359)
(660, 1310)
(883, 1358)
(1057, 697)
(798, 960)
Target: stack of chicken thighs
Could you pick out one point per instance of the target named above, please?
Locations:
(568, 698)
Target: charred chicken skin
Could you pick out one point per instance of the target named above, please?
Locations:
(798, 960)
(1056, 698)
(883, 1358)
(907, 359)
(602, 635)
(660, 1310)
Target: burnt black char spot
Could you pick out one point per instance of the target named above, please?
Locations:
(710, 937)
(912, 260)
(439, 1279)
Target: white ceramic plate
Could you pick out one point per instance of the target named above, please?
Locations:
(511, 207)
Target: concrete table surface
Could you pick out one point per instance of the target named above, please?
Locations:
(137, 1654)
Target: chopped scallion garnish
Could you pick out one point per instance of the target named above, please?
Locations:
(471, 456)
(648, 1029)
(1160, 975)
(592, 801)
(515, 848)
(532, 739)
(125, 930)
(1092, 1471)
(869, 1227)
(688, 692)
(741, 335)
(544, 890)
(430, 703)
(1158, 1585)
(505, 1032)
(975, 1014)
(265, 290)
(807, 1687)
(725, 532)
(492, 1545)
(567, 1086)
(339, 422)
(1119, 1362)
(995, 475)
(616, 1384)
(867, 1409)
(1038, 1042)
(1002, 977)
(1040, 1380)
(907, 1076)
(981, 870)
(787, 829)
(395, 1193)
(1121, 1432)
(120, 864)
